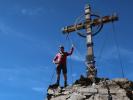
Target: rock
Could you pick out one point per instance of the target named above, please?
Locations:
(62, 97)
(121, 80)
(103, 89)
(87, 90)
(76, 96)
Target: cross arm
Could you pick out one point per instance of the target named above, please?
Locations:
(94, 22)
(104, 20)
(73, 28)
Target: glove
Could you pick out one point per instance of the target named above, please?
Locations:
(72, 45)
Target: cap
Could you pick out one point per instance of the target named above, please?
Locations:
(61, 46)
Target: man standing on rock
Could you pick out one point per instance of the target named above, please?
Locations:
(60, 61)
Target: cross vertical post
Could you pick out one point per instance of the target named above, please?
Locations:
(90, 62)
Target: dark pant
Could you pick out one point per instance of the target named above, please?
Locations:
(61, 67)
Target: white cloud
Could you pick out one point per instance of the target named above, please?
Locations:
(110, 53)
(126, 52)
(78, 57)
(38, 89)
(30, 12)
(74, 75)
(7, 30)
(37, 43)
(4, 29)
(113, 53)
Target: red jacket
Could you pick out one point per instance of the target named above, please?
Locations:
(61, 58)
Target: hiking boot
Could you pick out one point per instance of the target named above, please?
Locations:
(65, 84)
(57, 83)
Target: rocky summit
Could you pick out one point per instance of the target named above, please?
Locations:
(85, 89)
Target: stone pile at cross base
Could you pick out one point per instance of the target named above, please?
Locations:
(84, 89)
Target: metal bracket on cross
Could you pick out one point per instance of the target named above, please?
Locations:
(95, 31)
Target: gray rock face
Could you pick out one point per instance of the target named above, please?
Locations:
(103, 89)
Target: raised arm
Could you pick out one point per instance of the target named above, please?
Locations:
(71, 51)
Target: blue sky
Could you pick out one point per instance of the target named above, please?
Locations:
(30, 35)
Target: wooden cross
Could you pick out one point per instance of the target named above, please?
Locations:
(88, 24)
